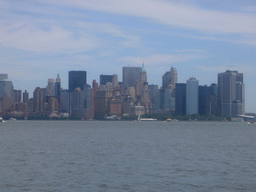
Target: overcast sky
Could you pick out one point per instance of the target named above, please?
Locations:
(41, 38)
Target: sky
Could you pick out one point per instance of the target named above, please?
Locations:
(42, 38)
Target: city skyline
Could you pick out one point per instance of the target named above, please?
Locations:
(45, 38)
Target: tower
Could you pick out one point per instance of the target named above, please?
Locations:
(105, 79)
(180, 99)
(57, 86)
(115, 81)
(130, 76)
(170, 77)
(50, 88)
(76, 79)
(38, 100)
(192, 97)
(231, 93)
(25, 96)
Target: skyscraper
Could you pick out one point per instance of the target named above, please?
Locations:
(141, 81)
(38, 100)
(170, 77)
(192, 97)
(6, 93)
(154, 96)
(231, 93)
(76, 79)
(57, 86)
(130, 76)
(105, 78)
(115, 81)
(180, 99)
(50, 88)
(17, 96)
(204, 100)
(25, 96)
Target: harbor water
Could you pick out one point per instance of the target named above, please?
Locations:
(127, 156)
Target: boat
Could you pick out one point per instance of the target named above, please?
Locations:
(168, 120)
(1, 119)
(250, 122)
(145, 119)
(113, 117)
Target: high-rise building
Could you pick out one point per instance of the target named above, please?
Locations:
(180, 98)
(25, 96)
(65, 101)
(231, 93)
(204, 100)
(154, 96)
(192, 97)
(145, 99)
(17, 96)
(50, 91)
(140, 83)
(89, 101)
(104, 79)
(214, 106)
(57, 86)
(76, 79)
(6, 94)
(38, 98)
(170, 77)
(77, 103)
(130, 76)
(167, 101)
(115, 81)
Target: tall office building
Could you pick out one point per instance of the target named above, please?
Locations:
(154, 96)
(104, 79)
(89, 101)
(57, 86)
(180, 98)
(231, 93)
(76, 79)
(130, 76)
(77, 103)
(167, 101)
(6, 93)
(170, 77)
(204, 100)
(50, 91)
(140, 83)
(214, 107)
(25, 96)
(192, 97)
(17, 96)
(38, 97)
(65, 101)
(115, 81)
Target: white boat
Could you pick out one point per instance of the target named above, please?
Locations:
(1, 119)
(146, 119)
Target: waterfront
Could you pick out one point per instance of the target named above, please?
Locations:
(127, 156)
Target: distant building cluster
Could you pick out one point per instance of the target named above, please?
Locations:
(132, 96)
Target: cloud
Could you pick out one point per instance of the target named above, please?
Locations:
(173, 14)
(154, 60)
(241, 67)
(29, 36)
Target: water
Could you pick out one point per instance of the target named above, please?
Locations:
(127, 156)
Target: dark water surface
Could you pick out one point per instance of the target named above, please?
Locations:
(127, 156)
